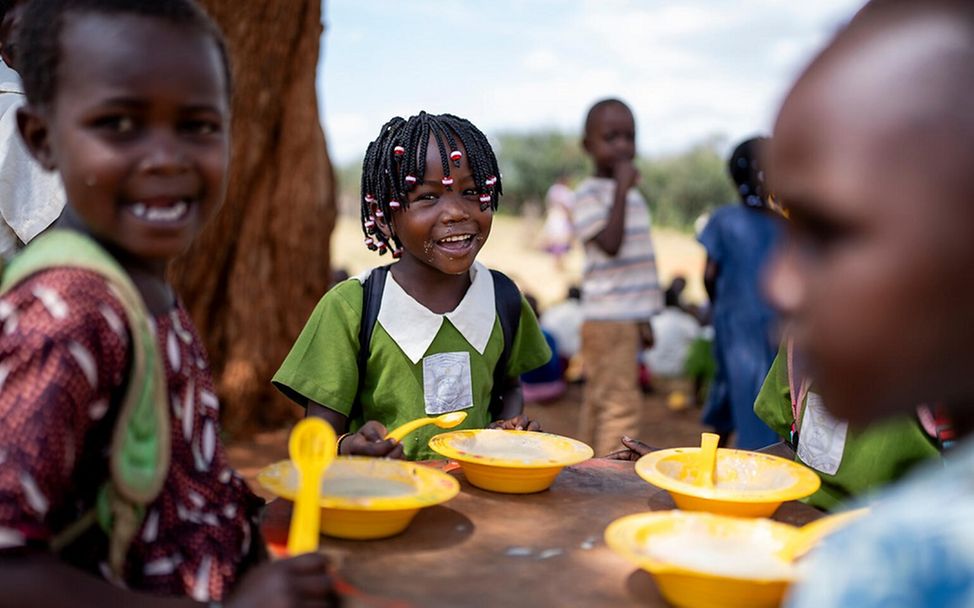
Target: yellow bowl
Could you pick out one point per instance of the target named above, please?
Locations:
(366, 498)
(707, 561)
(513, 462)
(749, 484)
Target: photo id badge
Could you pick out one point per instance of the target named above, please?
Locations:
(447, 385)
(821, 441)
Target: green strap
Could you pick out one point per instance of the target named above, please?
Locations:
(140, 450)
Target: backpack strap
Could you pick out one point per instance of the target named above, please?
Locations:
(507, 300)
(140, 449)
(372, 290)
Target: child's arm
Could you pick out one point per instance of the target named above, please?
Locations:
(39, 579)
(368, 441)
(634, 450)
(610, 239)
(710, 278)
(512, 414)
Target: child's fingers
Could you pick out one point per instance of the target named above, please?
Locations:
(307, 564)
(378, 449)
(637, 446)
(397, 452)
(618, 455)
(373, 431)
(534, 425)
(313, 587)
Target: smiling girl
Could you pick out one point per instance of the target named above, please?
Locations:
(430, 186)
(114, 487)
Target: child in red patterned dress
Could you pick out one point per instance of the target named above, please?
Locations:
(109, 436)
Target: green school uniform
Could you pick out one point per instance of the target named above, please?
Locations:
(870, 458)
(322, 367)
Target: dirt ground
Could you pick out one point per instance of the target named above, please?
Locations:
(661, 428)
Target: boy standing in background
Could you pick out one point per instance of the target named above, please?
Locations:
(620, 288)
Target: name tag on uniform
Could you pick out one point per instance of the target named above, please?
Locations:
(447, 384)
(821, 441)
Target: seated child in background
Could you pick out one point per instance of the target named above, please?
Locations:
(546, 383)
(851, 462)
(430, 186)
(872, 157)
(674, 331)
(109, 436)
(30, 198)
(564, 321)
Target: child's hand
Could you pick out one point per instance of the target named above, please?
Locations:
(646, 337)
(634, 450)
(368, 441)
(517, 423)
(289, 583)
(625, 174)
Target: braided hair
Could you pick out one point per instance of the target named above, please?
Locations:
(396, 161)
(745, 168)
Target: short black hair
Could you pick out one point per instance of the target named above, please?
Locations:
(39, 40)
(396, 161)
(5, 5)
(603, 103)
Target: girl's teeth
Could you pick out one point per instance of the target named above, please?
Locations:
(160, 214)
(454, 239)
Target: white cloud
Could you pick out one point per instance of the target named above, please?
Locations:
(689, 68)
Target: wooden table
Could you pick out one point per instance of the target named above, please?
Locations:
(487, 549)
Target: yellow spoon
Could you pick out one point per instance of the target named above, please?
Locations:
(708, 459)
(444, 421)
(811, 534)
(312, 448)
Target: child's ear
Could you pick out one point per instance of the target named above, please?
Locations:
(585, 143)
(34, 131)
(384, 224)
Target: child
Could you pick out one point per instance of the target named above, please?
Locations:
(109, 439)
(739, 239)
(872, 155)
(547, 383)
(620, 290)
(430, 186)
(850, 461)
(30, 198)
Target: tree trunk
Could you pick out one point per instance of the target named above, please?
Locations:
(254, 275)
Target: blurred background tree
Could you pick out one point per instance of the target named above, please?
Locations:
(252, 278)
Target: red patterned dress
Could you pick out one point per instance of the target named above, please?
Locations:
(64, 355)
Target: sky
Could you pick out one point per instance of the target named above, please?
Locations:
(690, 69)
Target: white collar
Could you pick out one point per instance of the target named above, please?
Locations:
(9, 80)
(413, 326)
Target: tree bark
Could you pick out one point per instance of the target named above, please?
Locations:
(254, 275)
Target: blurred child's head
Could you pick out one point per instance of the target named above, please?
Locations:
(610, 135)
(430, 186)
(11, 12)
(129, 101)
(872, 155)
(746, 168)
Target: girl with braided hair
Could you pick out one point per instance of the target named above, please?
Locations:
(437, 343)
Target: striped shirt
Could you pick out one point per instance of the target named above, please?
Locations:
(624, 287)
